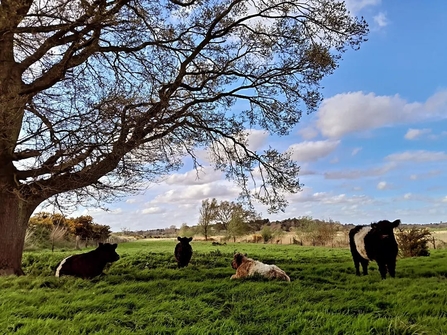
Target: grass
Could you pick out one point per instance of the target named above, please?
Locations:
(144, 293)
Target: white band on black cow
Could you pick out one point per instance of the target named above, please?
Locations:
(359, 239)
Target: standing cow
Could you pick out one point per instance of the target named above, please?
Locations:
(90, 264)
(183, 251)
(374, 242)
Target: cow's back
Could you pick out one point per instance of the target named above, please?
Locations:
(83, 265)
(183, 253)
(87, 265)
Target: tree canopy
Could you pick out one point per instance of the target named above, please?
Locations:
(98, 98)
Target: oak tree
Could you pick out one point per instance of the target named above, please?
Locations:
(100, 97)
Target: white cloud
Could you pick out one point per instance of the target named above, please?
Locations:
(306, 172)
(415, 133)
(356, 111)
(357, 5)
(417, 197)
(202, 176)
(355, 151)
(382, 185)
(417, 156)
(381, 19)
(329, 198)
(359, 174)
(256, 139)
(153, 210)
(437, 136)
(308, 133)
(426, 175)
(196, 193)
(131, 201)
(309, 151)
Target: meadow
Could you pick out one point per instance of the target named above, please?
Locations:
(145, 293)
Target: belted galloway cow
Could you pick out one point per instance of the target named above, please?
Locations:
(375, 242)
(183, 251)
(90, 264)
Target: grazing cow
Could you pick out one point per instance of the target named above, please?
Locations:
(90, 264)
(183, 251)
(374, 242)
(247, 267)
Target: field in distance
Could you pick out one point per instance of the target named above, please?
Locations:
(145, 293)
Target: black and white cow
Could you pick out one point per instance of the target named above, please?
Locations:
(183, 251)
(374, 242)
(90, 264)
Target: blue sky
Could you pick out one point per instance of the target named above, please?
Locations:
(376, 148)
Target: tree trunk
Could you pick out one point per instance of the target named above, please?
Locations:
(14, 216)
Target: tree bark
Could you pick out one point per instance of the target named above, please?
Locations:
(14, 216)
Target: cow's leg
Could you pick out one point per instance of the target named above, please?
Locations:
(357, 265)
(382, 269)
(392, 267)
(365, 263)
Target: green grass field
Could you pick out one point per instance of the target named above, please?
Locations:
(144, 293)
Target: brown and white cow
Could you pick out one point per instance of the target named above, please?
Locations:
(247, 267)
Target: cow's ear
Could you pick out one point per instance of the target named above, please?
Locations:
(190, 239)
(101, 244)
(114, 245)
(179, 238)
(396, 223)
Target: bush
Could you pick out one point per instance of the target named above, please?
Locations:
(266, 233)
(414, 242)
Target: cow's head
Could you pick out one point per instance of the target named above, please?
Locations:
(384, 228)
(238, 259)
(107, 252)
(184, 240)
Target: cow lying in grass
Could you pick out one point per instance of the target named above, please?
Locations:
(247, 267)
(90, 264)
(183, 251)
(374, 242)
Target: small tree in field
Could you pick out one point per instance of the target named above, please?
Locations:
(233, 218)
(99, 97)
(185, 231)
(237, 226)
(413, 242)
(266, 233)
(305, 229)
(207, 216)
(224, 214)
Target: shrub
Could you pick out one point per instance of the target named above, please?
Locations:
(413, 242)
(266, 233)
